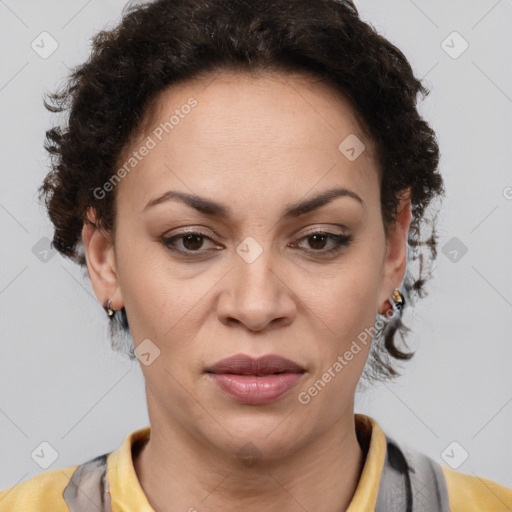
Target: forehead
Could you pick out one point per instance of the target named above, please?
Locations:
(267, 130)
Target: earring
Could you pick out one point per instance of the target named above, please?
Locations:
(110, 309)
(398, 299)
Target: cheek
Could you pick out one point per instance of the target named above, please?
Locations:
(341, 350)
(150, 299)
(170, 311)
(345, 298)
(157, 307)
(344, 312)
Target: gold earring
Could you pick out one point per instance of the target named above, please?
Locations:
(110, 309)
(398, 299)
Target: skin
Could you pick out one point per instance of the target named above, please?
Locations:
(254, 144)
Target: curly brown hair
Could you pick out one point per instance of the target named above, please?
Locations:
(161, 42)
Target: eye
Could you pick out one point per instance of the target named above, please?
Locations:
(191, 241)
(318, 239)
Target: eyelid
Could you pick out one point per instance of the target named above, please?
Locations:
(190, 230)
(314, 228)
(328, 228)
(340, 241)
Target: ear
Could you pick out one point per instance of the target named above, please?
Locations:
(100, 257)
(395, 263)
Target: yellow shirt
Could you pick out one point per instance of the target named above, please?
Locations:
(43, 492)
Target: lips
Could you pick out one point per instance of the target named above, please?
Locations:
(241, 364)
(255, 381)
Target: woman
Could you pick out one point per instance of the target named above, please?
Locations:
(245, 184)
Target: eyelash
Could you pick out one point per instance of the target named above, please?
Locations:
(339, 242)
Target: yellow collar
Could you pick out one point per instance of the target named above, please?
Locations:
(127, 493)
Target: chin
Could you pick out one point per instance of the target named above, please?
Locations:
(269, 434)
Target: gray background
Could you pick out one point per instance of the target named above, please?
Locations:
(60, 381)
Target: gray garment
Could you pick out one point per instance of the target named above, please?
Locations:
(88, 489)
(410, 482)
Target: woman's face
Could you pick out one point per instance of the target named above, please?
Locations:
(255, 279)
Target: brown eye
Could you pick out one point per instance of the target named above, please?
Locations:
(317, 242)
(186, 243)
(193, 241)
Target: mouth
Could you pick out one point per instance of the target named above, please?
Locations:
(241, 364)
(255, 381)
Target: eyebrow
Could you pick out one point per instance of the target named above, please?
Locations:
(215, 209)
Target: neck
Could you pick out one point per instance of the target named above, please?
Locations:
(177, 472)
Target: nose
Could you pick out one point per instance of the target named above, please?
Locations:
(256, 293)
